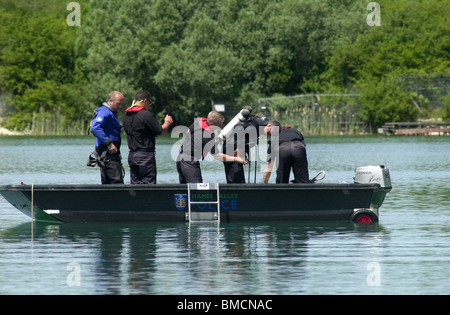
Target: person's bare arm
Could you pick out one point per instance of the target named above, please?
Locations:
(267, 172)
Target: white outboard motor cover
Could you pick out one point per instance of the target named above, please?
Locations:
(378, 174)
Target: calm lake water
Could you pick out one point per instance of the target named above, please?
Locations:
(408, 252)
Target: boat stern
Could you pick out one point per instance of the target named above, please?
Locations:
(372, 174)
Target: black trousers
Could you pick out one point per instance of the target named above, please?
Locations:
(189, 171)
(292, 155)
(234, 173)
(142, 167)
(112, 172)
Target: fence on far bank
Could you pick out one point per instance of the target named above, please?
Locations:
(53, 122)
(317, 114)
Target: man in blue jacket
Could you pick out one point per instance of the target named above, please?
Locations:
(106, 128)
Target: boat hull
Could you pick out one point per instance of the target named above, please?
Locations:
(169, 203)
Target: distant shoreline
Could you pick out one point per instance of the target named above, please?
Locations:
(6, 132)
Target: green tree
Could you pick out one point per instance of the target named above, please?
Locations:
(114, 49)
(201, 67)
(37, 64)
(446, 112)
(234, 50)
(413, 40)
(189, 52)
(386, 100)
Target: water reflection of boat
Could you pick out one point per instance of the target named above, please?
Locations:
(359, 201)
(135, 258)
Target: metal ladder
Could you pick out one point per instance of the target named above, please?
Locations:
(203, 216)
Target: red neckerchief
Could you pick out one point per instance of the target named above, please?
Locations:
(202, 122)
(134, 109)
(204, 125)
(287, 127)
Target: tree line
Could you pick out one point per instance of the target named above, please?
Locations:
(188, 53)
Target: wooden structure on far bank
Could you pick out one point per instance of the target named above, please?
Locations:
(415, 128)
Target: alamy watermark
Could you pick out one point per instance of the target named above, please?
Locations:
(74, 17)
(374, 277)
(374, 18)
(74, 277)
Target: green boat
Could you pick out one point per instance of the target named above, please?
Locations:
(206, 202)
